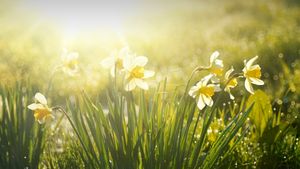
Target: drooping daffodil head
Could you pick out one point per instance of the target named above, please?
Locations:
(70, 62)
(252, 73)
(203, 92)
(116, 60)
(231, 82)
(40, 108)
(136, 73)
(215, 64)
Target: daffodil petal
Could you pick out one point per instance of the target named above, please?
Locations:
(108, 62)
(128, 62)
(219, 63)
(35, 106)
(256, 81)
(228, 73)
(251, 61)
(231, 96)
(193, 90)
(73, 56)
(148, 73)
(200, 103)
(130, 85)
(206, 79)
(214, 56)
(112, 71)
(217, 88)
(208, 100)
(248, 86)
(142, 84)
(141, 60)
(40, 98)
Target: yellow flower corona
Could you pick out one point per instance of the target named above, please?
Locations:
(137, 72)
(252, 73)
(216, 70)
(40, 108)
(207, 91)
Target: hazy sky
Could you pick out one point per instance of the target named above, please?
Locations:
(82, 14)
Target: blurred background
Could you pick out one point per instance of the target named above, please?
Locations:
(176, 36)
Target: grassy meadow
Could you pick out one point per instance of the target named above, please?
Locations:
(162, 84)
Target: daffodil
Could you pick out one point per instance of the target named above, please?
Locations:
(40, 108)
(70, 62)
(136, 73)
(230, 82)
(216, 65)
(252, 73)
(115, 61)
(203, 92)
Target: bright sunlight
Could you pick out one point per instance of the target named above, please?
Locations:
(140, 84)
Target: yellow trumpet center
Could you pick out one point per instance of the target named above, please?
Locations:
(254, 73)
(216, 70)
(207, 91)
(137, 72)
(39, 114)
(71, 64)
(232, 83)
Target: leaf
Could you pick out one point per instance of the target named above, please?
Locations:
(262, 110)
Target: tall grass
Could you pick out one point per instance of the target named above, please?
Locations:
(21, 139)
(149, 130)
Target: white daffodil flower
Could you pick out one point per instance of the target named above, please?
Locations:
(135, 73)
(70, 62)
(215, 67)
(252, 73)
(231, 83)
(40, 108)
(115, 61)
(203, 92)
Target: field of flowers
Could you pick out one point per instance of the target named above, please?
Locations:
(187, 84)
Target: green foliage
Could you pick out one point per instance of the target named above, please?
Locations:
(21, 138)
(262, 110)
(157, 131)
